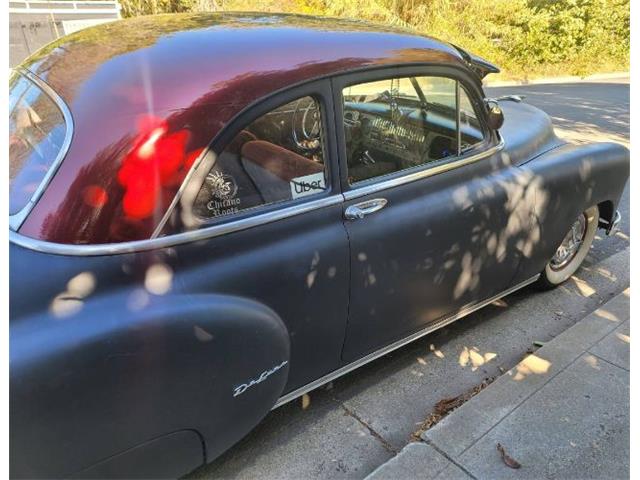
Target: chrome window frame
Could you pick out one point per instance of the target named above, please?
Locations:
(421, 171)
(491, 144)
(17, 219)
(203, 165)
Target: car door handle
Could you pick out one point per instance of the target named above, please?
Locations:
(359, 210)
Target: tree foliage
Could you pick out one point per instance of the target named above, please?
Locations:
(524, 37)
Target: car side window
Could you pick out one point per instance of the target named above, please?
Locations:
(400, 123)
(470, 128)
(276, 158)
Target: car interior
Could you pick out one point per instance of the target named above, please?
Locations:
(394, 124)
(262, 162)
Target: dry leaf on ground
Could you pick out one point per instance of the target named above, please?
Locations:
(508, 461)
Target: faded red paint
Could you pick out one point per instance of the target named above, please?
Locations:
(168, 85)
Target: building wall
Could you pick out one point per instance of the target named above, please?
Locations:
(33, 24)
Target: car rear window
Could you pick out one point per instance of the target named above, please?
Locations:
(37, 132)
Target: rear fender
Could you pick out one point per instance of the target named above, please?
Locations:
(119, 373)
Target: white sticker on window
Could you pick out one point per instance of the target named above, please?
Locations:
(307, 185)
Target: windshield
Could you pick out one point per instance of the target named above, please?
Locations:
(37, 131)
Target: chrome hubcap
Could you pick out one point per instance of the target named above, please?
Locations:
(571, 244)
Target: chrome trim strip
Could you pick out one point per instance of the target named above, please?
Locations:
(458, 132)
(426, 172)
(186, 181)
(16, 220)
(177, 239)
(400, 343)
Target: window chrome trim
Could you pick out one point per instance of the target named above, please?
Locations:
(458, 132)
(201, 162)
(17, 219)
(446, 320)
(423, 173)
(175, 239)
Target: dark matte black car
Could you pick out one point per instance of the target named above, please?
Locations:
(214, 214)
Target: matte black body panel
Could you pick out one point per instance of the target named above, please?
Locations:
(570, 179)
(527, 132)
(166, 457)
(128, 366)
(441, 243)
(104, 380)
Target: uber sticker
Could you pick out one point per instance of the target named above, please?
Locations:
(307, 185)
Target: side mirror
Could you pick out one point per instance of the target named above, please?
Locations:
(495, 115)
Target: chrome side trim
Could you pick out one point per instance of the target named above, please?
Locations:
(16, 220)
(400, 343)
(177, 239)
(424, 173)
(458, 132)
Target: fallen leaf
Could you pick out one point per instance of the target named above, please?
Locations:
(508, 461)
(306, 401)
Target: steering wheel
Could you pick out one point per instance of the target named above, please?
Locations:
(309, 138)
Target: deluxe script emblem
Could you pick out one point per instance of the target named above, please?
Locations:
(240, 389)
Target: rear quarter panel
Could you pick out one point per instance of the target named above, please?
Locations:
(100, 371)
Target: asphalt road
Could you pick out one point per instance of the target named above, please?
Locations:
(355, 424)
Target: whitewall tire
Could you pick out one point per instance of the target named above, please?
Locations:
(572, 251)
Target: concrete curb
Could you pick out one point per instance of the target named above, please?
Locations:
(562, 79)
(443, 455)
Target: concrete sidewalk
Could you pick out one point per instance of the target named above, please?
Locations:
(563, 412)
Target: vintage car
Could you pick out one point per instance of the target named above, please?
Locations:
(211, 215)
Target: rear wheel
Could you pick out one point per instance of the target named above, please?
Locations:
(572, 251)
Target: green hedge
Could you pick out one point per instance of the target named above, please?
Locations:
(526, 38)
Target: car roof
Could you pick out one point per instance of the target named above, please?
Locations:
(190, 69)
(186, 56)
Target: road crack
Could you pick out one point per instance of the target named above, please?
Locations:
(387, 446)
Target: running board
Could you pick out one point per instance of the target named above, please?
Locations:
(400, 343)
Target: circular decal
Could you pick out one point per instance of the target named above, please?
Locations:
(223, 194)
(223, 186)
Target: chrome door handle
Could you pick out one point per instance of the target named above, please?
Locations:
(359, 210)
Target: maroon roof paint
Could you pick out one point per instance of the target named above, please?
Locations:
(194, 71)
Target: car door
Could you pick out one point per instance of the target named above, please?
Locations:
(271, 181)
(436, 215)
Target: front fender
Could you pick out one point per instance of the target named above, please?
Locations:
(119, 373)
(570, 179)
